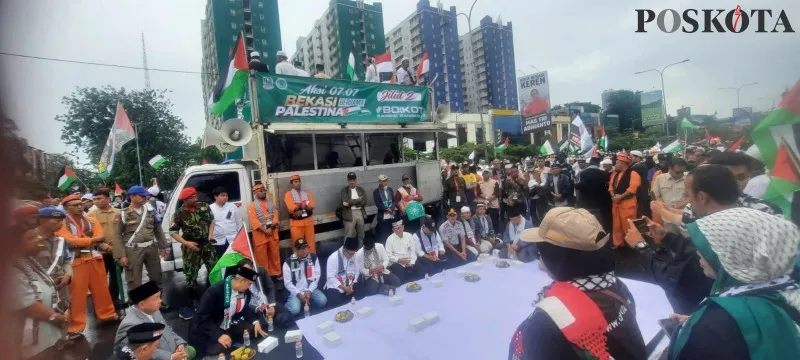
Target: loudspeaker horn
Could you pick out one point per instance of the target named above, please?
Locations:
(442, 112)
(236, 132)
(213, 137)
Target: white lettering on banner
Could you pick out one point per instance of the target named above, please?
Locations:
(532, 80)
(398, 95)
(400, 110)
(533, 123)
(347, 102)
(308, 111)
(314, 90)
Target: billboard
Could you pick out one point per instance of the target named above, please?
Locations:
(303, 99)
(534, 95)
(652, 108)
(742, 116)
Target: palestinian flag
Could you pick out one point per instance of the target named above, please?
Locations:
(232, 82)
(117, 189)
(736, 144)
(686, 124)
(673, 147)
(157, 161)
(383, 63)
(424, 66)
(501, 147)
(351, 64)
(237, 250)
(120, 134)
(472, 155)
(778, 140)
(603, 142)
(66, 179)
(548, 148)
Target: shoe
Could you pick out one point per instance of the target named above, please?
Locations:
(186, 313)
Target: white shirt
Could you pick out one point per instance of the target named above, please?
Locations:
(452, 233)
(435, 244)
(351, 266)
(757, 186)
(300, 275)
(382, 257)
(354, 196)
(401, 247)
(372, 74)
(284, 68)
(225, 227)
(403, 77)
(301, 72)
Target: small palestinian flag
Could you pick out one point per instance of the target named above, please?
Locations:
(548, 148)
(673, 147)
(472, 155)
(157, 161)
(117, 189)
(351, 64)
(501, 147)
(232, 81)
(66, 179)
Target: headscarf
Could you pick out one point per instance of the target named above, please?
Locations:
(754, 256)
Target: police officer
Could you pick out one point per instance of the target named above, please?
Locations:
(140, 240)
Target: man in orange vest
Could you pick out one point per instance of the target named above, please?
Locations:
(300, 204)
(84, 234)
(264, 222)
(622, 187)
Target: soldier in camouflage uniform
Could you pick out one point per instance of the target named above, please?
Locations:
(138, 245)
(54, 256)
(196, 223)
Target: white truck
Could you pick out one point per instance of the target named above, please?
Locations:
(321, 154)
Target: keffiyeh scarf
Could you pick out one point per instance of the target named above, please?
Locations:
(754, 257)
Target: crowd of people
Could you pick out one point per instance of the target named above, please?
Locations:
(726, 259)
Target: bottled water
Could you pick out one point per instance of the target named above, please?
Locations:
(307, 310)
(246, 338)
(353, 301)
(270, 324)
(298, 348)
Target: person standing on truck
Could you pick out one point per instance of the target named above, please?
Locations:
(227, 221)
(264, 222)
(195, 220)
(319, 72)
(354, 198)
(282, 67)
(138, 240)
(300, 204)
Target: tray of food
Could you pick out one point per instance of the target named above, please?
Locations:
(471, 277)
(243, 353)
(413, 287)
(502, 264)
(344, 316)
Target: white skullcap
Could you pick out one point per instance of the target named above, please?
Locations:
(255, 54)
(606, 162)
(87, 196)
(465, 209)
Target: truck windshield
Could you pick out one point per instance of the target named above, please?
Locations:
(206, 183)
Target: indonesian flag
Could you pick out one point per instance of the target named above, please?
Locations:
(233, 81)
(383, 63)
(472, 155)
(66, 179)
(424, 66)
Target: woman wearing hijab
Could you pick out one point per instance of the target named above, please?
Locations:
(43, 315)
(752, 312)
(375, 268)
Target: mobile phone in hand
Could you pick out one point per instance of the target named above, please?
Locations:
(641, 225)
(669, 325)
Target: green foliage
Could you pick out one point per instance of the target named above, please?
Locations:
(645, 140)
(588, 107)
(627, 104)
(411, 154)
(90, 115)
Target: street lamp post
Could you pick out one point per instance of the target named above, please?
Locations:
(534, 68)
(737, 89)
(475, 73)
(663, 92)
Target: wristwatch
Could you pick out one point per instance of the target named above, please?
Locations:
(641, 245)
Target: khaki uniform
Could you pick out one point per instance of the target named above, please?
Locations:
(109, 221)
(142, 247)
(61, 264)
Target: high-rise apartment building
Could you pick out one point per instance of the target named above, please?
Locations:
(225, 19)
(345, 25)
(488, 70)
(433, 30)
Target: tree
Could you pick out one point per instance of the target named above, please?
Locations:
(90, 115)
(588, 107)
(626, 104)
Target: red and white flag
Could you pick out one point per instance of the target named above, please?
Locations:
(424, 65)
(383, 63)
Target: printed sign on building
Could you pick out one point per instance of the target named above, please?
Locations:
(534, 95)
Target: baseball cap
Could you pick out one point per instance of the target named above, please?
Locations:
(382, 177)
(569, 228)
(351, 176)
(138, 190)
(301, 244)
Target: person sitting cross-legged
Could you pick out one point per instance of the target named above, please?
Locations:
(430, 250)
(375, 268)
(402, 254)
(301, 273)
(484, 230)
(343, 271)
(513, 247)
(454, 238)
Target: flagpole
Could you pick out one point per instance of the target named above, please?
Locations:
(685, 141)
(255, 264)
(138, 157)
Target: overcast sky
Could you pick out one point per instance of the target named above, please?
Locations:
(586, 46)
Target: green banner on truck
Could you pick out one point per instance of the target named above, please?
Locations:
(310, 100)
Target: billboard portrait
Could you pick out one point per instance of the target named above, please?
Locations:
(534, 94)
(652, 108)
